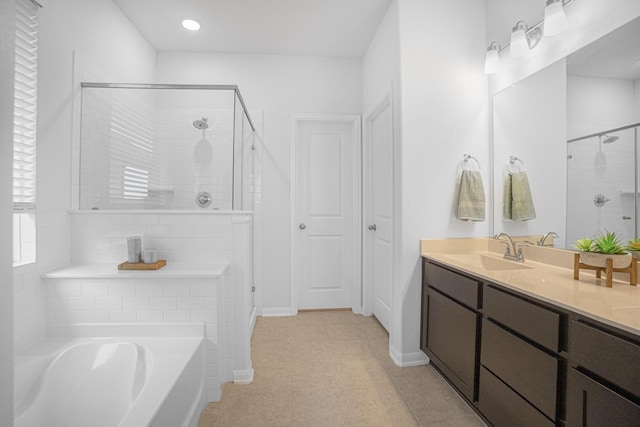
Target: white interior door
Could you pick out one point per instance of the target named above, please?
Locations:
(378, 209)
(324, 245)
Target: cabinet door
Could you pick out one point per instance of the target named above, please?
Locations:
(591, 404)
(611, 357)
(528, 370)
(451, 340)
(505, 408)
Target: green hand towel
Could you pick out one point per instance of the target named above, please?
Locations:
(471, 197)
(507, 198)
(522, 208)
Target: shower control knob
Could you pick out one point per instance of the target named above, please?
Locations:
(626, 218)
(372, 227)
(203, 199)
(600, 199)
(302, 226)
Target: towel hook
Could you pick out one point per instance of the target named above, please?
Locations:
(511, 163)
(465, 161)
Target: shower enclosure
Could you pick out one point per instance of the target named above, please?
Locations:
(152, 146)
(602, 183)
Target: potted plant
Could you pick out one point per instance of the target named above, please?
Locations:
(633, 246)
(596, 251)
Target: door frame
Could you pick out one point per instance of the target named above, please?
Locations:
(355, 122)
(385, 100)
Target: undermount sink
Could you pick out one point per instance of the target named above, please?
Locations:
(489, 262)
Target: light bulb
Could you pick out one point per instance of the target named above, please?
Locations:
(492, 60)
(519, 45)
(555, 20)
(191, 24)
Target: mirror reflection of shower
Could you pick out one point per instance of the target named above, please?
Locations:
(604, 192)
(202, 153)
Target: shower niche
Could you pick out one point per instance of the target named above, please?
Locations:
(165, 147)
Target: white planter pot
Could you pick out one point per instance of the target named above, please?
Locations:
(600, 260)
(635, 254)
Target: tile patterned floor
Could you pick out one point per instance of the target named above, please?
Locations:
(333, 369)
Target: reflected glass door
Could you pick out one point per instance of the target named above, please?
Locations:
(601, 185)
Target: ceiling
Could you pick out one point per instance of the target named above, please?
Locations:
(338, 28)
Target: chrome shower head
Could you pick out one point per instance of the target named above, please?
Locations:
(606, 139)
(201, 124)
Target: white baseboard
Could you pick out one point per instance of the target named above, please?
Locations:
(244, 376)
(277, 311)
(407, 359)
(214, 394)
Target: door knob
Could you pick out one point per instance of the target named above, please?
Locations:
(372, 227)
(626, 218)
(302, 226)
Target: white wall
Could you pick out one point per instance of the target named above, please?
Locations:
(518, 113)
(444, 115)
(98, 30)
(279, 86)
(597, 104)
(7, 53)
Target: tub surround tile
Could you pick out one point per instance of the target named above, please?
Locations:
(197, 285)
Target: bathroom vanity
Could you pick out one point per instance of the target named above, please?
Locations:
(527, 345)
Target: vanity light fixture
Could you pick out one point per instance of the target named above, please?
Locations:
(492, 60)
(555, 20)
(523, 39)
(190, 24)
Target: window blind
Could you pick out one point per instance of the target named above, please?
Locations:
(131, 149)
(24, 122)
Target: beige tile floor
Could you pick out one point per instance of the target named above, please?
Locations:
(332, 368)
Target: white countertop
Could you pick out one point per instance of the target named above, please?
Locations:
(110, 271)
(618, 306)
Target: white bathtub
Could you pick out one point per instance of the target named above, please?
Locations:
(113, 378)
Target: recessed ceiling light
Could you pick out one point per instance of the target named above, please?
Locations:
(190, 24)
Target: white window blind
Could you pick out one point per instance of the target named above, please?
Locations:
(132, 149)
(24, 122)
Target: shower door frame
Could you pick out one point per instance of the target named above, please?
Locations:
(75, 179)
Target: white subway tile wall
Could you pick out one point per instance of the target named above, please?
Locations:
(161, 140)
(194, 238)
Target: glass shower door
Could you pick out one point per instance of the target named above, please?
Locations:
(601, 185)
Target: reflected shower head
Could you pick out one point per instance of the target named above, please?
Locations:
(606, 139)
(201, 124)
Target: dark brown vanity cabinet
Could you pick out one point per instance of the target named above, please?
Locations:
(520, 361)
(603, 386)
(449, 328)
(521, 371)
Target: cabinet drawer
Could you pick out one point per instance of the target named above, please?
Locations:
(451, 338)
(531, 320)
(458, 287)
(591, 404)
(527, 369)
(503, 407)
(611, 357)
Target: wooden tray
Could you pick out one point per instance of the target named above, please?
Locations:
(142, 266)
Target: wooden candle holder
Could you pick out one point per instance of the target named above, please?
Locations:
(609, 270)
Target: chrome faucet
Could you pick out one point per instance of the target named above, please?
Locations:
(545, 236)
(516, 255)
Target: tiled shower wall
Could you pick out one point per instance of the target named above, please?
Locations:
(181, 160)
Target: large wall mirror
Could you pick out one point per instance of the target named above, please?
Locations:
(574, 128)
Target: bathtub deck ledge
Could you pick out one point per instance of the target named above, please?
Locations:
(110, 271)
